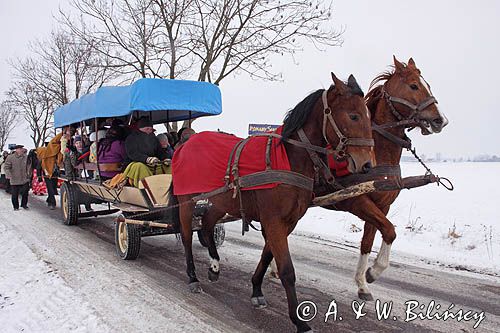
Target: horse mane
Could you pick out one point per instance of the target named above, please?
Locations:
(375, 90)
(297, 116)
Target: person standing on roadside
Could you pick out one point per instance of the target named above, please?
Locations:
(19, 173)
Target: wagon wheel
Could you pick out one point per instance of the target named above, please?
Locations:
(219, 236)
(127, 240)
(69, 204)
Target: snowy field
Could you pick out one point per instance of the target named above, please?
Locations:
(459, 229)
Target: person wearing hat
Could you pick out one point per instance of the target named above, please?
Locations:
(145, 156)
(143, 146)
(19, 173)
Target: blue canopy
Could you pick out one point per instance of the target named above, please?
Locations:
(163, 100)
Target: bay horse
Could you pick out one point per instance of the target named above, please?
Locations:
(403, 101)
(334, 116)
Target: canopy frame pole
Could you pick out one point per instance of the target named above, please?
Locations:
(97, 149)
(189, 122)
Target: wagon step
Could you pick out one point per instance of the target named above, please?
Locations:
(98, 213)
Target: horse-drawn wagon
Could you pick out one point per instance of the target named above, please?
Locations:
(143, 207)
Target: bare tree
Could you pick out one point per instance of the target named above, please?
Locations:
(241, 35)
(203, 39)
(124, 30)
(175, 17)
(35, 105)
(63, 66)
(8, 120)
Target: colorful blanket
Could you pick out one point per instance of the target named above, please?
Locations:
(199, 165)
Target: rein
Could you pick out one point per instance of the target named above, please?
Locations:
(407, 122)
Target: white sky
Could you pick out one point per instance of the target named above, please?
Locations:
(454, 43)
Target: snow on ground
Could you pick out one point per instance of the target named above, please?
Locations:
(33, 297)
(459, 228)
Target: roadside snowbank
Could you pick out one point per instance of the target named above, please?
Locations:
(33, 297)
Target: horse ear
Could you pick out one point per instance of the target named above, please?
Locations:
(411, 63)
(399, 66)
(339, 84)
(352, 83)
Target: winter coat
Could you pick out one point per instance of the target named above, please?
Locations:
(115, 153)
(51, 157)
(17, 169)
(139, 146)
(2, 165)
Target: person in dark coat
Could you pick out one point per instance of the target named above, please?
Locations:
(19, 173)
(143, 146)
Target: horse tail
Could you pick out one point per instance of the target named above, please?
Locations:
(173, 205)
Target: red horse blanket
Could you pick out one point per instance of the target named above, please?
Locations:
(199, 165)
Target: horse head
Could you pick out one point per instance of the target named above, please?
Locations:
(347, 124)
(410, 98)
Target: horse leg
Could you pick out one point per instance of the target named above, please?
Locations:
(208, 225)
(186, 217)
(376, 218)
(277, 239)
(360, 276)
(258, 299)
(382, 260)
(274, 270)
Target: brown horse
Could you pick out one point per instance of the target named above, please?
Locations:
(331, 116)
(403, 101)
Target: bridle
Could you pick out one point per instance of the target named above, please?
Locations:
(344, 141)
(339, 152)
(411, 121)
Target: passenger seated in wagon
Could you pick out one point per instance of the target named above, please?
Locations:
(144, 153)
(111, 152)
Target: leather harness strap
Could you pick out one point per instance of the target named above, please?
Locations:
(270, 176)
(403, 142)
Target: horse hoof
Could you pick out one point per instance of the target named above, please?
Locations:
(368, 275)
(306, 330)
(213, 276)
(195, 287)
(365, 296)
(259, 302)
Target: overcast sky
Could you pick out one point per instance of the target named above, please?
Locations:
(454, 43)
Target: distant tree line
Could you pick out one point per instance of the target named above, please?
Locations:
(102, 42)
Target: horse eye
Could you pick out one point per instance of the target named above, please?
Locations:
(354, 117)
(413, 86)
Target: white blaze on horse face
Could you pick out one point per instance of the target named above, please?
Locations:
(428, 89)
(425, 85)
(214, 265)
(360, 276)
(382, 261)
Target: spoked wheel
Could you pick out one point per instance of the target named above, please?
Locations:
(127, 239)
(69, 204)
(219, 236)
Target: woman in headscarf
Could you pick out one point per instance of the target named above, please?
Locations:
(111, 152)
